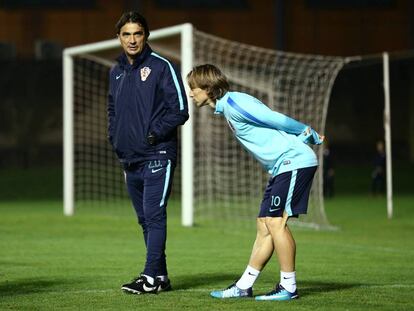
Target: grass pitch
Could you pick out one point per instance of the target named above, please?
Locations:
(50, 262)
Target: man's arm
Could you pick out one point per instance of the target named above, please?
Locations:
(282, 122)
(110, 111)
(176, 107)
(261, 115)
(254, 111)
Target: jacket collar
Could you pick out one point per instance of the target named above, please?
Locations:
(123, 60)
(220, 104)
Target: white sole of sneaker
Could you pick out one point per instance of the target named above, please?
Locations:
(136, 292)
(129, 290)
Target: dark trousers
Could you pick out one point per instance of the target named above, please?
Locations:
(149, 186)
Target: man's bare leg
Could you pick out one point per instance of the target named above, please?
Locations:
(261, 253)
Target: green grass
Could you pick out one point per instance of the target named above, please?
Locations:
(52, 262)
(49, 262)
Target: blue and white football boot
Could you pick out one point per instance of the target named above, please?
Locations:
(279, 294)
(232, 292)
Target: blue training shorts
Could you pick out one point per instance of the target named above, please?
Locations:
(288, 192)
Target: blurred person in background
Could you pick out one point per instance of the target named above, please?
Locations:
(328, 172)
(146, 104)
(378, 172)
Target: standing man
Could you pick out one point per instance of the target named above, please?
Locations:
(146, 104)
(378, 173)
(279, 143)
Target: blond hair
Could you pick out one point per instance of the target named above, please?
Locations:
(209, 78)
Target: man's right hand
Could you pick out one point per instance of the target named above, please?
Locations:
(152, 139)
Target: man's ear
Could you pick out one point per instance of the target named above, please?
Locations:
(210, 93)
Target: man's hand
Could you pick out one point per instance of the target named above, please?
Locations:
(152, 139)
(310, 136)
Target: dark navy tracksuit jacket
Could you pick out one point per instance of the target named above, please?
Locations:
(145, 97)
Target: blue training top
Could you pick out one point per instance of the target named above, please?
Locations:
(278, 142)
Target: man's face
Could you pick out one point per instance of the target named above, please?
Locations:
(132, 38)
(199, 97)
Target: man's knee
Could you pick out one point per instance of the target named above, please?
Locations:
(262, 230)
(275, 224)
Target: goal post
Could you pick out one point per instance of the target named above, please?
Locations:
(387, 132)
(384, 59)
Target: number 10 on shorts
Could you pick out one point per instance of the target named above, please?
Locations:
(275, 200)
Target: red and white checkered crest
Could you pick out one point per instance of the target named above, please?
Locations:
(145, 72)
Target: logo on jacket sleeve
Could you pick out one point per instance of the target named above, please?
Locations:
(145, 72)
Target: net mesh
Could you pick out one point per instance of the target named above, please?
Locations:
(98, 175)
(228, 183)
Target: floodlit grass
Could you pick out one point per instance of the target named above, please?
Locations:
(52, 262)
(49, 262)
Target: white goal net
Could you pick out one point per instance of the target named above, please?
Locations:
(227, 184)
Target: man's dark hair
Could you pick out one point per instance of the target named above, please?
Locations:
(132, 17)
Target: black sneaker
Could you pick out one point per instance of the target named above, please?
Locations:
(140, 285)
(164, 286)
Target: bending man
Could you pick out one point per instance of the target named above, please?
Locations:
(279, 143)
